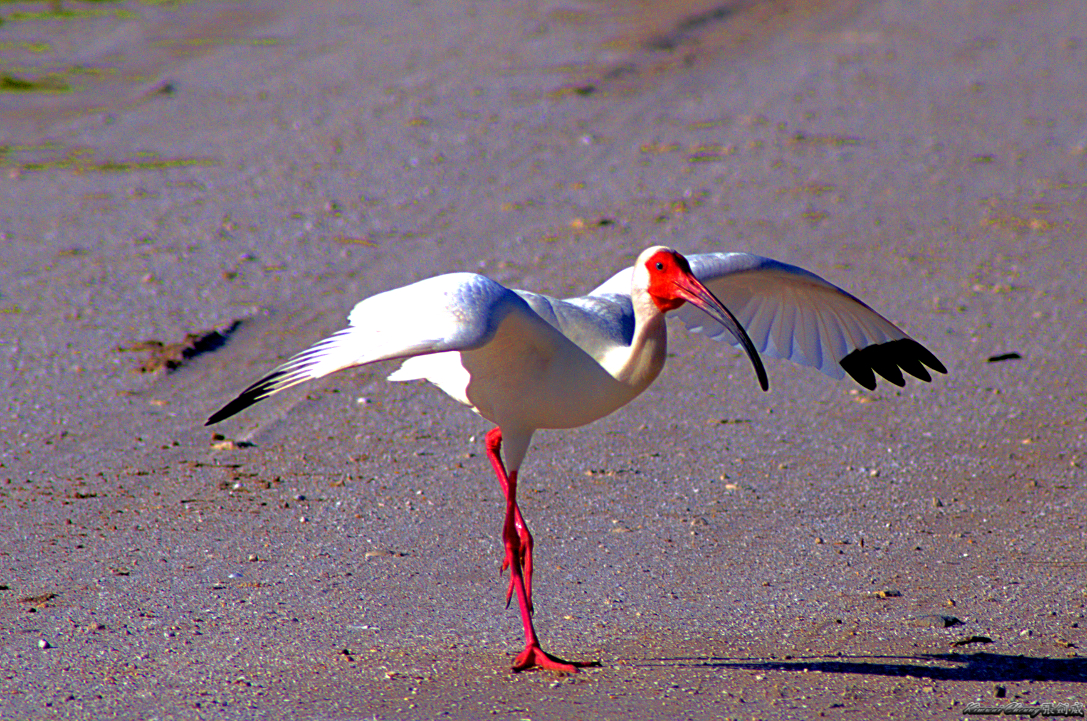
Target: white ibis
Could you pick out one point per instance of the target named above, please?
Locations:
(526, 361)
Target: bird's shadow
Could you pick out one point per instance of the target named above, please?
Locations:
(952, 666)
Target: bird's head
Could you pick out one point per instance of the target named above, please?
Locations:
(669, 282)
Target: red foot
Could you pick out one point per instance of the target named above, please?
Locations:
(535, 657)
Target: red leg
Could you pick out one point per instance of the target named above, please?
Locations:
(494, 445)
(514, 535)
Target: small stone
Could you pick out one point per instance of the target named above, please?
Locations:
(43, 644)
(937, 620)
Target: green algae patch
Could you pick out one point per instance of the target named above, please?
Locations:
(49, 84)
(53, 156)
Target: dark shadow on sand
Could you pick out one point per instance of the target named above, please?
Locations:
(952, 666)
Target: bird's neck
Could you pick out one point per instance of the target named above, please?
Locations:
(646, 353)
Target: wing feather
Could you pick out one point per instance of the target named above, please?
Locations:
(794, 314)
(456, 311)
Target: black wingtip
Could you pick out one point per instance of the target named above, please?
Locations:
(222, 414)
(889, 360)
(254, 393)
(235, 406)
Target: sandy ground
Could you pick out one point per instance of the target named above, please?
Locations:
(815, 551)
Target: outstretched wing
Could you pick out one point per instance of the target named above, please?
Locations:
(457, 311)
(791, 313)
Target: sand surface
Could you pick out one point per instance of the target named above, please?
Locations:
(816, 551)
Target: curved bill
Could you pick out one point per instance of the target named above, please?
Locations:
(691, 290)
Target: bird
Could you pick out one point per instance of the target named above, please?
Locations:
(526, 361)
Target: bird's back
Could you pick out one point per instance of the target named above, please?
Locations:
(597, 325)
